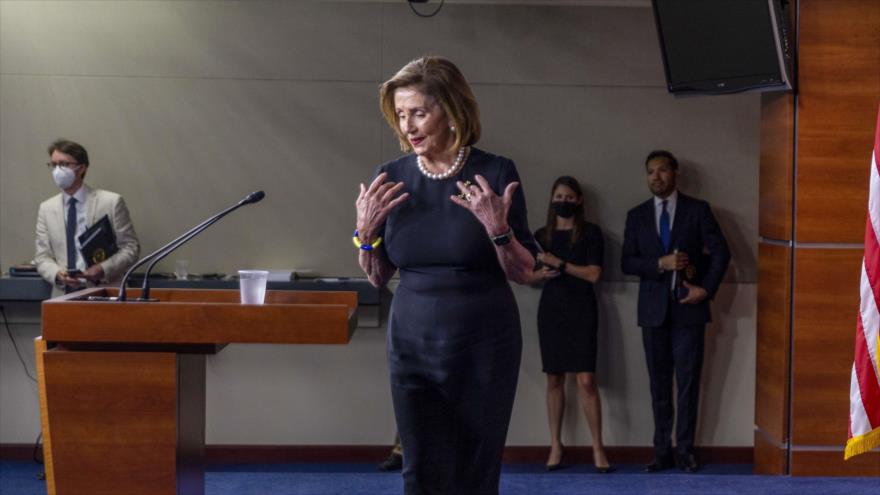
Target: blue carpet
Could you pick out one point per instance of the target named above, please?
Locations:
(20, 478)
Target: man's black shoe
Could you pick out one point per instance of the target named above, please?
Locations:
(688, 463)
(393, 463)
(659, 464)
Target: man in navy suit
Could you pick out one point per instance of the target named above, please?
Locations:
(675, 246)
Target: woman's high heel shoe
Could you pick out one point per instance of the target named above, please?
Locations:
(559, 465)
(607, 468)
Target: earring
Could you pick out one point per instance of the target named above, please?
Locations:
(452, 128)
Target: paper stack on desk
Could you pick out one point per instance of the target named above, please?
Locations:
(23, 270)
(281, 275)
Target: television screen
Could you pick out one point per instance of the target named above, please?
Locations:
(723, 46)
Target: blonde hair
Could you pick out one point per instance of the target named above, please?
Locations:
(440, 79)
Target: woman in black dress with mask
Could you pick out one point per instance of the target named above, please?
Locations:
(567, 314)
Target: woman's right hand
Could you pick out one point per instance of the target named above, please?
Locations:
(374, 203)
(549, 259)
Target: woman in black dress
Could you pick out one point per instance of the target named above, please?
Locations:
(454, 333)
(567, 314)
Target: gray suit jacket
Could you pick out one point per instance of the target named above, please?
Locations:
(51, 255)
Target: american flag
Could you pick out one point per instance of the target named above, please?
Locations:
(864, 394)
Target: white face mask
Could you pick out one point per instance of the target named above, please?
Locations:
(63, 176)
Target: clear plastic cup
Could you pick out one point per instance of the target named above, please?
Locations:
(253, 286)
(181, 269)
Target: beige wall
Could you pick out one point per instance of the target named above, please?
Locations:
(186, 106)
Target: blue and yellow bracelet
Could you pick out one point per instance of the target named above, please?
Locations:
(364, 246)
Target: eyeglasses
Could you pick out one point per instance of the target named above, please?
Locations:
(53, 165)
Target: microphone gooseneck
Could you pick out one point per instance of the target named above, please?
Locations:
(165, 250)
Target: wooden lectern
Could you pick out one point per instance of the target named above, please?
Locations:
(122, 384)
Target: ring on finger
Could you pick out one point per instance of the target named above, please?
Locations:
(468, 185)
(468, 196)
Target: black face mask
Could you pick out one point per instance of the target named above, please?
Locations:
(564, 209)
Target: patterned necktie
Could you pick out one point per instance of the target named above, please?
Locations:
(664, 227)
(71, 233)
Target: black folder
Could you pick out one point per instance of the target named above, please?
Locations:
(98, 242)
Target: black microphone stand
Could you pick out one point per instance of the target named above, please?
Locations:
(165, 250)
(145, 287)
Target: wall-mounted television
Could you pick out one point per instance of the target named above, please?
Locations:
(725, 46)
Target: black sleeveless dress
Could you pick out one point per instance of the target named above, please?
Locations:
(454, 339)
(567, 313)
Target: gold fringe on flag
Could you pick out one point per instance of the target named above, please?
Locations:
(862, 443)
(869, 441)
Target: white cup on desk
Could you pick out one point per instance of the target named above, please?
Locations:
(252, 284)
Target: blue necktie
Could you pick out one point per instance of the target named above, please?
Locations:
(664, 227)
(71, 234)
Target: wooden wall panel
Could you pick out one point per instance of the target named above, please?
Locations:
(824, 170)
(769, 458)
(826, 302)
(831, 463)
(839, 91)
(777, 166)
(773, 340)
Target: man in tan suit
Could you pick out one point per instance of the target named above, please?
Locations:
(65, 216)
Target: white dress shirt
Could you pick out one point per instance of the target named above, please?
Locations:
(670, 207)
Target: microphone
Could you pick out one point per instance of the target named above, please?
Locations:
(254, 197)
(165, 250)
(675, 273)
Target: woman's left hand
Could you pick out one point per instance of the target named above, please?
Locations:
(549, 260)
(489, 208)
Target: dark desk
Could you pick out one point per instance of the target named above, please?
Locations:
(36, 289)
(24, 289)
(372, 302)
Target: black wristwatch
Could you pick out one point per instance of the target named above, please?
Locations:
(561, 267)
(501, 240)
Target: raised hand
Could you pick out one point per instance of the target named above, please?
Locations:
(374, 203)
(490, 209)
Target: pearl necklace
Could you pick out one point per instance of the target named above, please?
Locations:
(459, 162)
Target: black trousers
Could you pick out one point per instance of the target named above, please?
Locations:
(674, 349)
(454, 367)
